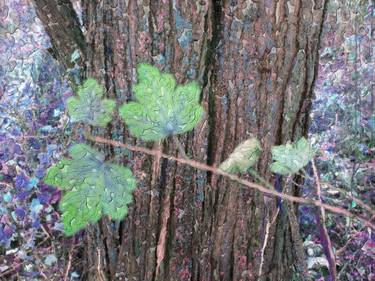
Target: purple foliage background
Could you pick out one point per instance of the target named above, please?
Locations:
(34, 132)
(343, 130)
(32, 121)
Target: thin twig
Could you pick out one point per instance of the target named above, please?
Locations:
(349, 262)
(355, 199)
(6, 184)
(66, 275)
(326, 241)
(100, 272)
(341, 251)
(248, 184)
(14, 266)
(40, 266)
(268, 226)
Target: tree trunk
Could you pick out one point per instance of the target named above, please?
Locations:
(256, 62)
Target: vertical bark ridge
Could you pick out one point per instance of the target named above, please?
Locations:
(61, 15)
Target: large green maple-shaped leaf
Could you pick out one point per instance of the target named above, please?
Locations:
(290, 158)
(89, 106)
(244, 156)
(93, 187)
(162, 108)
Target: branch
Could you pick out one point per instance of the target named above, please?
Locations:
(321, 218)
(341, 251)
(351, 197)
(248, 184)
(265, 241)
(66, 275)
(62, 25)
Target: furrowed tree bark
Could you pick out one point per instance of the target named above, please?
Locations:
(62, 25)
(256, 62)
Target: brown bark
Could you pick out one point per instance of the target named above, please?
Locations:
(62, 25)
(256, 61)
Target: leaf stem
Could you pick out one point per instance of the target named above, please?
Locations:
(248, 184)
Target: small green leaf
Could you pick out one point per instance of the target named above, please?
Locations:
(161, 108)
(93, 187)
(89, 106)
(290, 158)
(244, 156)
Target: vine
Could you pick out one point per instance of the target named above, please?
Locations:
(94, 187)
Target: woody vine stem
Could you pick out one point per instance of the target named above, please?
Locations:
(160, 109)
(235, 178)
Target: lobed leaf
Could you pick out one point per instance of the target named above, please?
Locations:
(290, 158)
(161, 109)
(93, 187)
(244, 156)
(89, 106)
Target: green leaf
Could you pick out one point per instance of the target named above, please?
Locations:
(290, 158)
(161, 108)
(244, 156)
(67, 173)
(115, 197)
(89, 106)
(93, 187)
(278, 168)
(80, 206)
